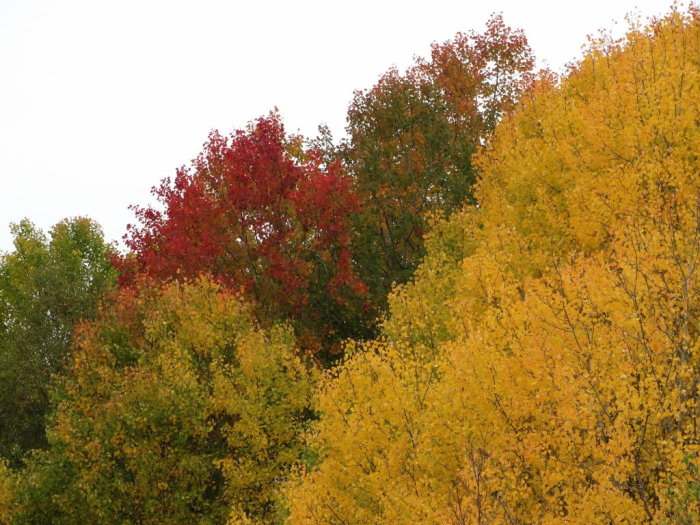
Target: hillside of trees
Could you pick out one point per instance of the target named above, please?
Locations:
(482, 306)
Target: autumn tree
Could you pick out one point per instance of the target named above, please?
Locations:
(412, 137)
(543, 367)
(263, 216)
(46, 286)
(176, 408)
(7, 492)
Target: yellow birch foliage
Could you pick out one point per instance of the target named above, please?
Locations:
(546, 371)
(176, 409)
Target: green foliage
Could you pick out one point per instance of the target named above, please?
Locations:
(46, 286)
(407, 159)
(683, 495)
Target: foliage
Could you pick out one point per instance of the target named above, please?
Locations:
(541, 366)
(411, 139)
(545, 370)
(46, 286)
(265, 217)
(7, 492)
(683, 495)
(176, 409)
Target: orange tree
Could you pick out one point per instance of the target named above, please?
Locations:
(411, 141)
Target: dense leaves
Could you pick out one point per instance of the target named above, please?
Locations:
(7, 493)
(543, 367)
(540, 365)
(176, 409)
(263, 217)
(304, 240)
(46, 286)
(411, 139)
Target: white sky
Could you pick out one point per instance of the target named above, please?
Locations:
(100, 100)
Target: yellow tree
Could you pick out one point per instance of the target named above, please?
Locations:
(176, 408)
(543, 367)
(7, 492)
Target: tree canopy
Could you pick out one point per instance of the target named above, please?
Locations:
(264, 217)
(480, 308)
(46, 286)
(176, 408)
(411, 141)
(543, 366)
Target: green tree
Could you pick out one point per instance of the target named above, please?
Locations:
(46, 286)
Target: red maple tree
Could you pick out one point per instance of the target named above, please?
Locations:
(262, 216)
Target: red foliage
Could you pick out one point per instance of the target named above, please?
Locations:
(247, 212)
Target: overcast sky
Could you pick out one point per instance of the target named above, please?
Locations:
(100, 100)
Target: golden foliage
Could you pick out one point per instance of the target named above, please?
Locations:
(176, 408)
(7, 492)
(543, 367)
